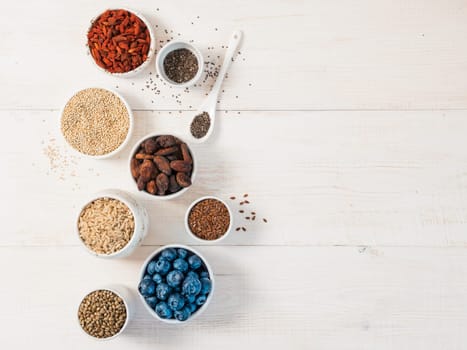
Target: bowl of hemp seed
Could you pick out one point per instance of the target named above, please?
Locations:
(96, 122)
(104, 313)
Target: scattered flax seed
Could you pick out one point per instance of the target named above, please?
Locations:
(247, 217)
(241, 211)
(243, 229)
(241, 203)
(238, 229)
(232, 198)
(106, 225)
(245, 195)
(265, 220)
(253, 213)
(95, 121)
(253, 218)
(102, 314)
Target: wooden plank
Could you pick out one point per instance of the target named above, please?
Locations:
(297, 55)
(320, 178)
(276, 297)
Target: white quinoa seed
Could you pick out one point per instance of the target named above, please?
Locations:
(106, 225)
(95, 121)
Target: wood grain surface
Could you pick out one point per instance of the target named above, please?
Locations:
(345, 122)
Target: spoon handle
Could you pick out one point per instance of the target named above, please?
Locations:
(233, 44)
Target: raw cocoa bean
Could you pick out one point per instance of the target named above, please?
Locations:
(162, 183)
(186, 153)
(150, 146)
(166, 141)
(142, 156)
(163, 165)
(151, 187)
(146, 170)
(134, 167)
(180, 165)
(167, 151)
(173, 184)
(183, 179)
(140, 183)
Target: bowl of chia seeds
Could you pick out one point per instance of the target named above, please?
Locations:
(180, 64)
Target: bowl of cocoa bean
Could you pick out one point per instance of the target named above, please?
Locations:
(208, 219)
(162, 166)
(121, 42)
(180, 64)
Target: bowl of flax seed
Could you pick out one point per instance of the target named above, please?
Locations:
(208, 219)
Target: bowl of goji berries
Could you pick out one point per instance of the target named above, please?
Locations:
(121, 42)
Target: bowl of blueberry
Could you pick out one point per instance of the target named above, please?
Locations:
(176, 284)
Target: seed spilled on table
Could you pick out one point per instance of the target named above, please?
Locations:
(200, 125)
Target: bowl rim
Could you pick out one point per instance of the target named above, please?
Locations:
(130, 127)
(193, 235)
(166, 49)
(113, 195)
(168, 196)
(151, 50)
(127, 319)
(211, 277)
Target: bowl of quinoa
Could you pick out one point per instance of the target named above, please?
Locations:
(96, 122)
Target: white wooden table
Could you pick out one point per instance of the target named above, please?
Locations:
(344, 121)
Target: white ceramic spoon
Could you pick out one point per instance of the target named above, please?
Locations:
(209, 104)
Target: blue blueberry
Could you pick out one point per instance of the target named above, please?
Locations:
(192, 274)
(192, 307)
(170, 254)
(162, 291)
(182, 253)
(151, 301)
(175, 301)
(191, 286)
(190, 298)
(157, 278)
(147, 277)
(206, 285)
(194, 261)
(162, 266)
(151, 269)
(175, 278)
(204, 274)
(147, 287)
(201, 300)
(181, 265)
(183, 314)
(163, 310)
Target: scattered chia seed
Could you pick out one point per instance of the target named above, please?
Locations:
(200, 125)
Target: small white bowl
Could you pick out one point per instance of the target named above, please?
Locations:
(168, 196)
(151, 51)
(127, 138)
(187, 226)
(128, 299)
(172, 46)
(211, 277)
(140, 216)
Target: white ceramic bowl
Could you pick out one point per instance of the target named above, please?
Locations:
(130, 128)
(208, 299)
(168, 196)
(151, 51)
(140, 216)
(187, 226)
(128, 299)
(172, 46)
